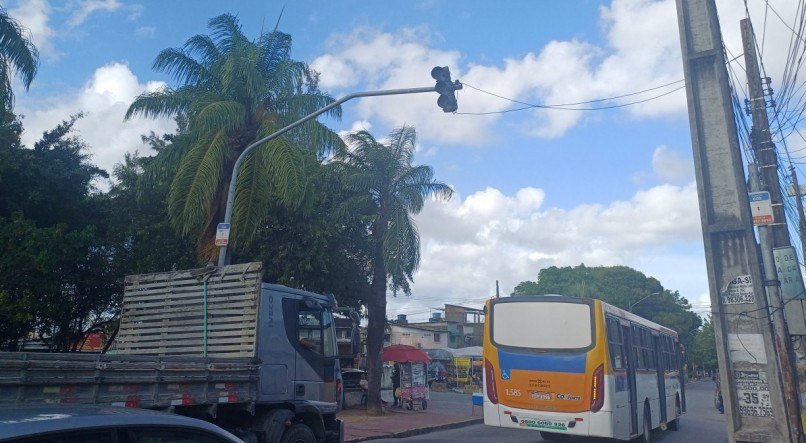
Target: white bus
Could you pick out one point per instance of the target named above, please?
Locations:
(566, 365)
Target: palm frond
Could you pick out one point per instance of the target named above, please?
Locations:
(18, 50)
(197, 182)
(254, 190)
(226, 32)
(205, 47)
(225, 116)
(180, 66)
(163, 103)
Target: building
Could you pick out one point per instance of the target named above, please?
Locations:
(430, 335)
(465, 326)
(461, 327)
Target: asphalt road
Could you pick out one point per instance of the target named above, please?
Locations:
(701, 423)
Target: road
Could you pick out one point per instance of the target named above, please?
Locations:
(700, 423)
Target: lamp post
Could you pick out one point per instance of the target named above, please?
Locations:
(222, 255)
(631, 305)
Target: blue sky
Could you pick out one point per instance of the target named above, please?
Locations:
(534, 188)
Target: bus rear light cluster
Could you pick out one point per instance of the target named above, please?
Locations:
(489, 379)
(597, 389)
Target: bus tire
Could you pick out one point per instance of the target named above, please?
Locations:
(551, 436)
(674, 425)
(646, 435)
(298, 433)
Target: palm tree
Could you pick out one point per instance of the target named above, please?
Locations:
(18, 54)
(232, 92)
(390, 190)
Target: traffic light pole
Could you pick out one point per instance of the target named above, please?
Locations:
(222, 253)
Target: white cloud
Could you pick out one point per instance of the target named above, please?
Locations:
(671, 167)
(469, 243)
(104, 99)
(87, 7)
(34, 15)
(146, 31)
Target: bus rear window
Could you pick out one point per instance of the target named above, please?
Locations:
(542, 325)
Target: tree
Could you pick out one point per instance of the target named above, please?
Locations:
(621, 286)
(316, 246)
(55, 274)
(389, 190)
(17, 54)
(232, 92)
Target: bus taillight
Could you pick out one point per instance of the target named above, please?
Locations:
(489, 378)
(597, 389)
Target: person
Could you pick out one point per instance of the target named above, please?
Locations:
(720, 406)
(396, 385)
(364, 389)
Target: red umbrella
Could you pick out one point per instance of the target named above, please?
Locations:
(405, 353)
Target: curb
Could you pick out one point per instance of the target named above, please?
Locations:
(420, 431)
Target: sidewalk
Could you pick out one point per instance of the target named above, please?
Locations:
(445, 410)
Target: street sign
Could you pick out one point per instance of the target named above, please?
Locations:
(222, 234)
(761, 208)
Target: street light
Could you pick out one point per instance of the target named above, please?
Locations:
(222, 253)
(631, 305)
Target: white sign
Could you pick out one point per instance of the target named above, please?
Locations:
(222, 234)
(761, 208)
(747, 347)
(739, 290)
(753, 393)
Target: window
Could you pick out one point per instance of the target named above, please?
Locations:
(310, 329)
(436, 337)
(535, 325)
(316, 331)
(615, 343)
(88, 436)
(643, 348)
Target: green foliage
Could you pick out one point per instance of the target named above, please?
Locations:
(17, 54)
(55, 267)
(143, 239)
(620, 286)
(389, 190)
(701, 348)
(233, 92)
(315, 246)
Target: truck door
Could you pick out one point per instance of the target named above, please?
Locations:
(317, 364)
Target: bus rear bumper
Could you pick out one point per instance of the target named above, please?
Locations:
(572, 423)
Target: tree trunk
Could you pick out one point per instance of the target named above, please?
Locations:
(376, 309)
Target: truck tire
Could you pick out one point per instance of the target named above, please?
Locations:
(298, 433)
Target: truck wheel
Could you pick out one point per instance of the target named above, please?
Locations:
(298, 433)
(425, 404)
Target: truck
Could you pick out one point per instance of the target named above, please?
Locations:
(215, 343)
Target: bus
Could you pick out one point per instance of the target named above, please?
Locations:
(576, 366)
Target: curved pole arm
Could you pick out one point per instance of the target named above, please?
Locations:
(222, 253)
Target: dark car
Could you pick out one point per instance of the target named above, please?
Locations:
(104, 424)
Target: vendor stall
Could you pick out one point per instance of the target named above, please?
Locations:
(411, 369)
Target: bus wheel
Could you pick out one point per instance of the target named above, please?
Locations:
(674, 425)
(646, 436)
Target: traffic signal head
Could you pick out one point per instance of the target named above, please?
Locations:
(445, 88)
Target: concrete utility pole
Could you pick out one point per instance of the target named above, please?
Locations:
(749, 370)
(776, 234)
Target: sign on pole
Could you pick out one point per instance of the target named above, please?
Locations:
(222, 234)
(761, 208)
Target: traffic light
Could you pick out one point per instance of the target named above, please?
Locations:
(445, 88)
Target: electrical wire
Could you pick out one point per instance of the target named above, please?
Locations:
(568, 106)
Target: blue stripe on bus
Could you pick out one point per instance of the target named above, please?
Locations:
(541, 362)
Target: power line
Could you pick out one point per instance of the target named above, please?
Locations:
(567, 106)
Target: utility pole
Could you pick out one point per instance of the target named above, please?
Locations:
(773, 238)
(751, 386)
